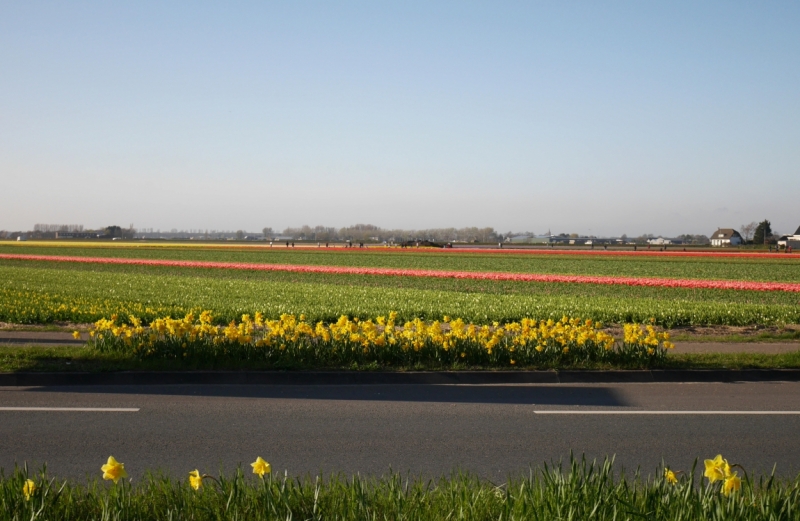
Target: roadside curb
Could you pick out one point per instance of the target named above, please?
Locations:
(394, 378)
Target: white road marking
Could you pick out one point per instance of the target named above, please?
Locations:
(794, 413)
(72, 409)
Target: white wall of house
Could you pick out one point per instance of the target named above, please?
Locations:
(733, 241)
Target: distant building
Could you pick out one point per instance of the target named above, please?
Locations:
(726, 237)
(790, 240)
(663, 241)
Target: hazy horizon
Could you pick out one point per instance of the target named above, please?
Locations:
(577, 117)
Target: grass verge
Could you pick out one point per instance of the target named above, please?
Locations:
(577, 490)
(83, 359)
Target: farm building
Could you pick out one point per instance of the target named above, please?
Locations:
(726, 237)
(663, 241)
(790, 240)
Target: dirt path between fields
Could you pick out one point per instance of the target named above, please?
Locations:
(768, 348)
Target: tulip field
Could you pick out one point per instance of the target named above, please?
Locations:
(710, 266)
(65, 282)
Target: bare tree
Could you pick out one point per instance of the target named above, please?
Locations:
(747, 231)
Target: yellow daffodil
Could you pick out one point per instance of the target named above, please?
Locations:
(195, 479)
(261, 467)
(732, 484)
(717, 469)
(28, 489)
(76, 335)
(670, 477)
(114, 470)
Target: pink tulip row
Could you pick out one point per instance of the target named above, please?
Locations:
(444, 274)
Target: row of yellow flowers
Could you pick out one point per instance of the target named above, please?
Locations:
(450, 337)
(717, 469)
(114, 471)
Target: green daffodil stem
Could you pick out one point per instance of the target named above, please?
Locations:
(212, 478)
(736, 465)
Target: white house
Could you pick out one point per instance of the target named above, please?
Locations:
(726, 237)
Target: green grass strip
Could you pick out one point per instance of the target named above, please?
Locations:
(84, 359)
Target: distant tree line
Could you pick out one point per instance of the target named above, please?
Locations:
(51, 231)
(48, 228)
(372, 233)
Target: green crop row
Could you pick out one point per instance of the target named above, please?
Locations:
(31, 294)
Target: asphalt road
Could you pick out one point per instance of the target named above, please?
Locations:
(493, 431)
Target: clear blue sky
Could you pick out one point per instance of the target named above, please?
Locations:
(586, 117)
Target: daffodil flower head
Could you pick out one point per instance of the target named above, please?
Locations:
(195, 479)
(717, 469)
(28, 489)
(731, 484)
(261, 467)
(670, 476)
(114, 470)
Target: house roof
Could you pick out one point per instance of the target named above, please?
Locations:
(725, 233)
(798, 231)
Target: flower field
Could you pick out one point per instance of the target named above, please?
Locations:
(671, 251)
(765, 268)
(576, 490)
(442, 274)
(82, 284)
(46, 295)
(293, 341)
(45, 292)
